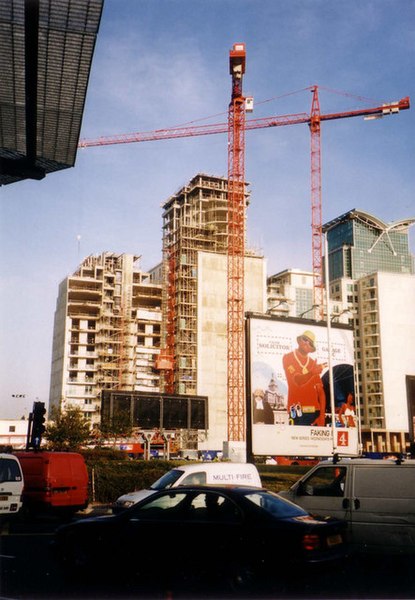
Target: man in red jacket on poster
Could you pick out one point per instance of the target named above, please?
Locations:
(306, 397)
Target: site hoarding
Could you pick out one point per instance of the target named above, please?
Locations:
(289, 402)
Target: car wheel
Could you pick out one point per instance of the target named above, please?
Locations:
(241, 576)
(78, 555)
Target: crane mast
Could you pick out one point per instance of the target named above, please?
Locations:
(316, 206)
(236, 248)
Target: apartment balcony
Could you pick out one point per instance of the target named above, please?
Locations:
(372, 344)
(79, 380)
(88, 368)
(90, 408)
(376, 422)
(108, 379)
(85, 292)
(109, 365)
(373, 365)
(373, 379)
(80, 310)
(146, 388)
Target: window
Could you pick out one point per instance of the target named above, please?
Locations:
(9, 470)
(164, 507)
(211, 506)
(385, 482)
(327, 481)
(195, 479)
(274, 505)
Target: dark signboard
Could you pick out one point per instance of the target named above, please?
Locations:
(155, 411)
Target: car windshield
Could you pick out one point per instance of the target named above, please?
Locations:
(276, 506)
(167, 480)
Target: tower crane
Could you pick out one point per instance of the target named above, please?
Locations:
(236, 127)
(236, 248)
(313, 120)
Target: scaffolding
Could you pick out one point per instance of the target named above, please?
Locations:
(194, 219)
(114, 329)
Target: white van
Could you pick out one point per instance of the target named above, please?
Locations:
(210, 473)
(376, 497)
(11, 484)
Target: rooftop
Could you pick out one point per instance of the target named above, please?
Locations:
(46, 50)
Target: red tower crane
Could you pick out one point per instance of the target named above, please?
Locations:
(236, 247)
(314, 120)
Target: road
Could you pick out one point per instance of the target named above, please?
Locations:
(28, 571)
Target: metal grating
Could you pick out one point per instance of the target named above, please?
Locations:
(46, 50)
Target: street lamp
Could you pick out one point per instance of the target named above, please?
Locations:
(344, 311)
(275, 306)
(309, 310)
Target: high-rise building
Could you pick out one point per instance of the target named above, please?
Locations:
(106, 333)
(194, 220)
(371, 276)
(195, 296)
(360, 244)
(290, 294)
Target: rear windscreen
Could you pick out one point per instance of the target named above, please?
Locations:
(9, 470)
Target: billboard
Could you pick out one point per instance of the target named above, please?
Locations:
(151, 410)
(289, 401)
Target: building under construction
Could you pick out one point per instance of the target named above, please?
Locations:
(194, 220)
(106, 333)
(193, 359)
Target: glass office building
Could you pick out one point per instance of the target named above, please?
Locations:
(360, 244)
(371, 272)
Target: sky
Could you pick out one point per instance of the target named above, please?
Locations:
(164, 63)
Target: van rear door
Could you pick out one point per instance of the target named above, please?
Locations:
(11, 484)
(68, 480)
(383, 507)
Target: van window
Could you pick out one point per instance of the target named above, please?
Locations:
(198, 478)
(327, 481)
(397, 482)
(9, 470)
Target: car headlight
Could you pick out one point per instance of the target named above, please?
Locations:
(125, 503)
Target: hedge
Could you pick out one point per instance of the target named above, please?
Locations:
(112, 474)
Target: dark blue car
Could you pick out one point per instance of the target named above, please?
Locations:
(229, 532)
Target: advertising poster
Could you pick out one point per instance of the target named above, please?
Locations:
(290, 388)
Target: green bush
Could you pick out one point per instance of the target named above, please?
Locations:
(277, 478)
(112, 474)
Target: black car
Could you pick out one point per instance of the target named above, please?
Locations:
(232, 532)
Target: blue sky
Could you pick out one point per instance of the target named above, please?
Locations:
(162, 63)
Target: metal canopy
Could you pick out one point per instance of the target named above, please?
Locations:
(46, 50)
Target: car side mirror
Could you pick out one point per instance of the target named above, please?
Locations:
(301, 489)
(304, 489)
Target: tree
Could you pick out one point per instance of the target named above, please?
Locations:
(67, 431)
(118, 427)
